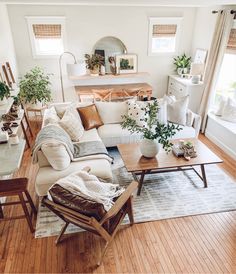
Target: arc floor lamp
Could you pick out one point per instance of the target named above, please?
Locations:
(75, 69)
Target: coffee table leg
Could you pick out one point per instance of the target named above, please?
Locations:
(204, 175)
(1, 211)
(141, 182)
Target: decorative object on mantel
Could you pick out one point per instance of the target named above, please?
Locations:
(4, 93)
(127, 63)
(153, 131)
(35, 88)
(93, 63)
(182, 64)
(109, 46)
(112, 62)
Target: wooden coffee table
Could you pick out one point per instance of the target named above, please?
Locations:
(139, 166)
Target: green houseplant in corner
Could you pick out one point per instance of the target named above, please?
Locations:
(35, 88)
(182, 64)
(4, 93)
(153, 132)
(93, 63)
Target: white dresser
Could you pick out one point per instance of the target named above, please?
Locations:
(180, 87)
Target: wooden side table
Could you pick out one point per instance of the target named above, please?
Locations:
(39, 110)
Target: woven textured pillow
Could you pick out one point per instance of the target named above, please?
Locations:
(90, 117)
(72, 126)
(229, 111)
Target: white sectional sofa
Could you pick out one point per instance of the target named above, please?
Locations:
(111, 134)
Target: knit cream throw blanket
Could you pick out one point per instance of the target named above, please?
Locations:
(89, 187)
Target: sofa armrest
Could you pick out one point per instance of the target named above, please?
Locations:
(197, 124)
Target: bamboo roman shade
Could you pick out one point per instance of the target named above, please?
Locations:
(232, 40)
(47, 31)
(164, 30)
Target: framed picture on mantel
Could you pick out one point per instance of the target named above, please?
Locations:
(127, 63)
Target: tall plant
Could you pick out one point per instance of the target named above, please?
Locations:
(35, 87)
(153, 129)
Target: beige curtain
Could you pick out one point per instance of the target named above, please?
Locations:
(218, 46)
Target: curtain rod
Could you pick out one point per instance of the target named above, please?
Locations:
(216, 11)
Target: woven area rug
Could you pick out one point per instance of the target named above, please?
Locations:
(163, 196)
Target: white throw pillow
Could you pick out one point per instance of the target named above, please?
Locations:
(229, 111)
(61, 109)
(72, 126)
(189, 118)
(56, 155)
(162, 112)
(177, 111)
(111, 112)
(220, 107)
(136, 111)
(50, 116)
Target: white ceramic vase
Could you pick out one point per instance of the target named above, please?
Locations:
(149, 148)
(3, 101)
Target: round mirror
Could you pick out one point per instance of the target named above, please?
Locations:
(109, 46)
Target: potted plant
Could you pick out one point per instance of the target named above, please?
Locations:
(4, 93)
(154, 133)
(182, 64)
(35, 88)
(93, 63)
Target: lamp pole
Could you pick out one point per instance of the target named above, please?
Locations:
(61, 78)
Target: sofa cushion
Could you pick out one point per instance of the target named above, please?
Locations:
(47, 176)
(111, 112)
(71, 124)
(57, 155)
(113, 134)
(186, 132)
(90, 136)
(51, 117)
(85, 206)
(229, 111)
(177, 111)
(90, 117)
(136, 112)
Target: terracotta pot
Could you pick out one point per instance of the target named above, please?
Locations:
(149, 148)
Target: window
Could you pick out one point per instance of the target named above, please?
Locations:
(163, 35)
(47, 36)
(226, 83)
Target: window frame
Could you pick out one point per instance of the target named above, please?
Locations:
(31, 20)
(164, 21)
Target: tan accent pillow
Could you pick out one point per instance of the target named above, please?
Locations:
(72, 126)
(90, 117)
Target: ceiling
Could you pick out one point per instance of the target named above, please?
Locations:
(173, 3)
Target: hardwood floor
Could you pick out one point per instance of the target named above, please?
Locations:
(199, 244)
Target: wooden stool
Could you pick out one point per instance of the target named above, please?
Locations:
(17, 187)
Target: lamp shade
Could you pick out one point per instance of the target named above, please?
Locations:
(77, 69)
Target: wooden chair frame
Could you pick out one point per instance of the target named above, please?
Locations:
(123, 206)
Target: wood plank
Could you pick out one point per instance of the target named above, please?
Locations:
(198, 244)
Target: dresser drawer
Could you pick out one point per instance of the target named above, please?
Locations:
(176, 88)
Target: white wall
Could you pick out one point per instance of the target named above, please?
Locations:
(7, 51)
(204, 28)
(86, 25)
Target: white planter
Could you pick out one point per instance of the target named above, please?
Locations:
(149, 148)
(3, 101)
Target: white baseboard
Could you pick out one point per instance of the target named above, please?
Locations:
(225, 148)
